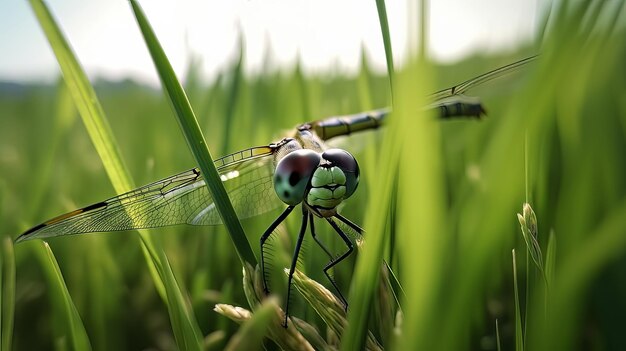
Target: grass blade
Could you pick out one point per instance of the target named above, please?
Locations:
(605, 244)
(498, 347)
(193, 135)
(186, 331)
(7, 293)
(61, 299)
(91, 113)
(519, 334)
(85, 99)
(551, 259)
(100, 132)
(364, 281)
(234, 91)
(384, 30)
(64, 118)
(421, 209)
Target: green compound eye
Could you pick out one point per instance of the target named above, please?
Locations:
(347, 163)
(293, 174)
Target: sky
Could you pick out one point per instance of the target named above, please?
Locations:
(326, 35)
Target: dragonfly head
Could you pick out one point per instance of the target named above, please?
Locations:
(322, 181)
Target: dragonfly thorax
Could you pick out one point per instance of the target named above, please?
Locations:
(321, 180)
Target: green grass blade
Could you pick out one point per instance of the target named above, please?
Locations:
(551, 259)
(605, 244)
(3, 331)
(193, 135)
(64, 118)
(7, 293)
(364, 82)
(84, 98)
(384, 29)
(365, 279)
(91, 112)
(100, 132)
(519, 334)
(421, 209)
(186, 331)
(61, 300)
(233, 97)
(498, 346)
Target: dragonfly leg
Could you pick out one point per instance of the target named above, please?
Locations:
(351, 224)
(314, 235)
(294, 261)
(266, 235)
(335, 261)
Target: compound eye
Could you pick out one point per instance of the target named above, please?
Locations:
(293, 174)
(347, 163)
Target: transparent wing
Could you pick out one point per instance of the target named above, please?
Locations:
(461, 88)
(182, 198)
(447, 103)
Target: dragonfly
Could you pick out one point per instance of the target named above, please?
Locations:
(299, 170)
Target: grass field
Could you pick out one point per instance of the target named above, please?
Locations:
(438, 200)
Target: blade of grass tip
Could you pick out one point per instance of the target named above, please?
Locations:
(519, 336)
(94, 119)
(364, 82)
(303, 90)
(7, 293)
(61, 296)
(193, 136)
(384, 29)
(544, 15)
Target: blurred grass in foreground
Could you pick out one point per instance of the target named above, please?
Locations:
(555, 139)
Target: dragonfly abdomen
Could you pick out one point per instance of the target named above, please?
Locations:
(345, 125)
(458, 108)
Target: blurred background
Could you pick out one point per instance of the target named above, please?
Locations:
(252, 71)
(277, 33)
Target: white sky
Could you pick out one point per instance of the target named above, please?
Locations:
(325, 34)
